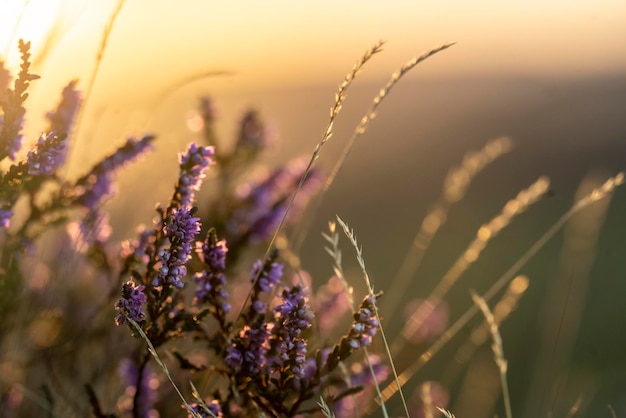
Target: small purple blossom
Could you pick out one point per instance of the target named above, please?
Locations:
(268, 275)
(48, 155)
(211, 281)
(193, 165)
(247, 353)
(129, 305)
(213, 407)
(292, 316)
(264, 277)
(364, 328)
(181, 231)
(97, 184)
(5, 218)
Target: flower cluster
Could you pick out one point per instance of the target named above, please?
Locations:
(293, 317)
(129, 305)
(261, 353)
(364, 328)
(193, 164)
(47, 156)
(211, 281)
(264, 278)
(247, 354)
(211, 409)
(181, 231)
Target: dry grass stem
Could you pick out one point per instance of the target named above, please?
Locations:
(480, 333)
(162, 365)
(485, 233)
(334, 111)
(362, 127)
(328, 413)
(455, 188)
(335, 252)
(612, 411)
(498, 349)
(597, 194)
(359, 256)
(445, 413)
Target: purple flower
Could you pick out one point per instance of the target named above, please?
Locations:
(247, 353)
(364, 328)
(289, 350)
(97, 183)
(264, 278)
(212, 280)
(193, 165)
(5, 218)
(48, 155)
(268, 275)
(213, 407)
(129, 305)
(62, 118)
(181, 230)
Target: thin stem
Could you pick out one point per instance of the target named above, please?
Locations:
(597, 194)
(350, 234)
(334, 111)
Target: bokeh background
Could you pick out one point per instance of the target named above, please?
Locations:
(551, 75)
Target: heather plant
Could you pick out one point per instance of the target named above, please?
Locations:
(205, 311)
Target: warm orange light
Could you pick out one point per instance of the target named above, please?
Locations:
(30, 20)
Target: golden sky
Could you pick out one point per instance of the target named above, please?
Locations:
(277, 42)
(155, 47)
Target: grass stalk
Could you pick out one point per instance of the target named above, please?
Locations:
(498, 349)
(597, 194)
(360, 130)
(335, 252)
(485, 234)
(162, 365)
(454, 189)
(359, 255)
(335, 109)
